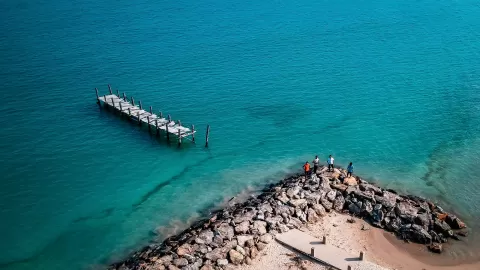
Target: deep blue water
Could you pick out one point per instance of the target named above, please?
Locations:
(393, 86)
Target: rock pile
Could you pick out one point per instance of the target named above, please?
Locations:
(236, 234)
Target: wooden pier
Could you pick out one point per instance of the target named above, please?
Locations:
(154, 122)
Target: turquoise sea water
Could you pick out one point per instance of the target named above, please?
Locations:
(393, 86)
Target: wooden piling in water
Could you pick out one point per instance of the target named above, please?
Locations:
(110, 89)
(121, 110)
(140, 104)
(179, 137)
(133, 101)
(206, 135)
(193, 133)
(161, 115)
(96, 92)
(148, 120)
(168, 133)
(113, 103)
(156, 126)
(118, 93)
(138, 118)
(129, 112)
(124, 97)
(151, 112)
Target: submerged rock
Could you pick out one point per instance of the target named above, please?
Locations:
(436, 247)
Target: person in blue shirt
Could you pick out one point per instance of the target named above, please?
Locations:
(330, 161)
(349, 169)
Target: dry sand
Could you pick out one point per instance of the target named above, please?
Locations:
(380, 247)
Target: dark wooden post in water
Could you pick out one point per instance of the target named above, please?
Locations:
(140, 104)
(129, 112)
(169, 119)
(133, 101)
(104, 101)
(206, 136)
(156, 126)
(110, 89)
(151, 112)
(121, 110)
(148, 121)
(168, 133)
(161, 115)
(179, 137)
(113, 103)
(179, 132)
(118, 93)
(138, 118)
(193, 133)
(96, 92)
(124, 97)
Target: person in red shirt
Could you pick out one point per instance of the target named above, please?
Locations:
(306, 168)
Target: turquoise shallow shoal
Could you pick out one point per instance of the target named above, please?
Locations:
(393, 86)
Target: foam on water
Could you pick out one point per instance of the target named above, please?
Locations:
(391, 86)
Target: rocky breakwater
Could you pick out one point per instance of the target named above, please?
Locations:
(236, 234)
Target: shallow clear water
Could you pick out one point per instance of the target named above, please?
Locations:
(393, 86)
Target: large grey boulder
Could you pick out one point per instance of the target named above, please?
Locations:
(371, 188)
(326, 203)
(454, 222)
(388, 200)
(206, 236)
(312, 216)
(293, 191)
(354, 209)
(378, 215)
(442, 227)
(242, 227)
(180, 262)
(406, 211)
(298, 203)
(235, 257)
(331, 195)
(226, 231)
(243, 238)
(367, 207)
(339, 203)
(320, 210)
(259, 227)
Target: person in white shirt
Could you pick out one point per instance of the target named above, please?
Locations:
(330, 161)
(316, 161)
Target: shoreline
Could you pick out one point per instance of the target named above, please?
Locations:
(237, 233)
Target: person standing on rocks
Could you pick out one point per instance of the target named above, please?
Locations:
(306, 168)
(350, 169)
(330, 161)
(316, 161)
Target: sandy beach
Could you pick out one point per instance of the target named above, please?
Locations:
(382, 249)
